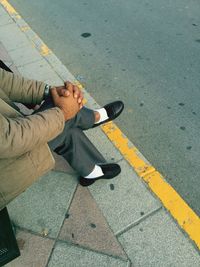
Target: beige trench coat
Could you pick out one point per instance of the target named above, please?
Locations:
(24, 153)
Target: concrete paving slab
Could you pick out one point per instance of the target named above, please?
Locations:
(62, 165)
(4, 17)
(59, 68)
(6, 36)
(157, 241)
(41, 71)
(87, 227)
(35, 250)
(3, 12)
(13, 68)
(42, 207)
(4, 56)
(66, 255)
(25, 55)
(124, 199)
(20, 22)
(103, 144)
(91, 103)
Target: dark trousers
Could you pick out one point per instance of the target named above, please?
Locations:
(73, 144)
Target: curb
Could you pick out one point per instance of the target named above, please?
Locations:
(186, 218)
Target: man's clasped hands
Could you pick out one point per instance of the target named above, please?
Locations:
(69, 98)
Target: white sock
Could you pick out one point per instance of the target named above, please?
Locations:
(103, 115)
(97, 172)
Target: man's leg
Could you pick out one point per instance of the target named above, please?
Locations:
(83, 156)
(73, 144)
(87, 118)
(77, 149)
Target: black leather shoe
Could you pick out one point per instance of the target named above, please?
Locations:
(110, 170)
(113, 110)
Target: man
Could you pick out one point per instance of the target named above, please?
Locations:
(58, 124)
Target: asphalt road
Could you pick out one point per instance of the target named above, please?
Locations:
(146, 53)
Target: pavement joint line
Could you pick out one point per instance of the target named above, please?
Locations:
(119, 160)
(109, 225)
(55, 240)
(23, 229)
(26, 64)
(14, 49)
(57, 237)
(9, 64)
(1, 26)
(133, 224)
(187, 219)
(92, 250)
(129, 264)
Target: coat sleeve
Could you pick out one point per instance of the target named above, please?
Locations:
(20, 89)
(22, 134)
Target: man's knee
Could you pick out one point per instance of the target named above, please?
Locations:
(70, 138)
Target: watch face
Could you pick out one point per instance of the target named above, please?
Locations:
(46, 91)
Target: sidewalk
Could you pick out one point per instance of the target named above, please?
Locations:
(116, 223)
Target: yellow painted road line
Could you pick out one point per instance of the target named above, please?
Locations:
(171, 200)
(10, 9)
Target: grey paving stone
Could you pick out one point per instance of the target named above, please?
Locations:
(87, 227)
(91, 103)
(29, 32)
(13, 68)
(6, 36)
(62, 165)
(103, 144)
(4, 17)
(4, 56)
(3, 12)
(60, 69)
(157, 241)
(25, 55)
(4, 20)
(19, 21)
(38, 42)
(34, 250)
(65, 255)
(124, 199)
(42, 207)
(41, 71)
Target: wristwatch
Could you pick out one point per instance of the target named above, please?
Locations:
(46, 91)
